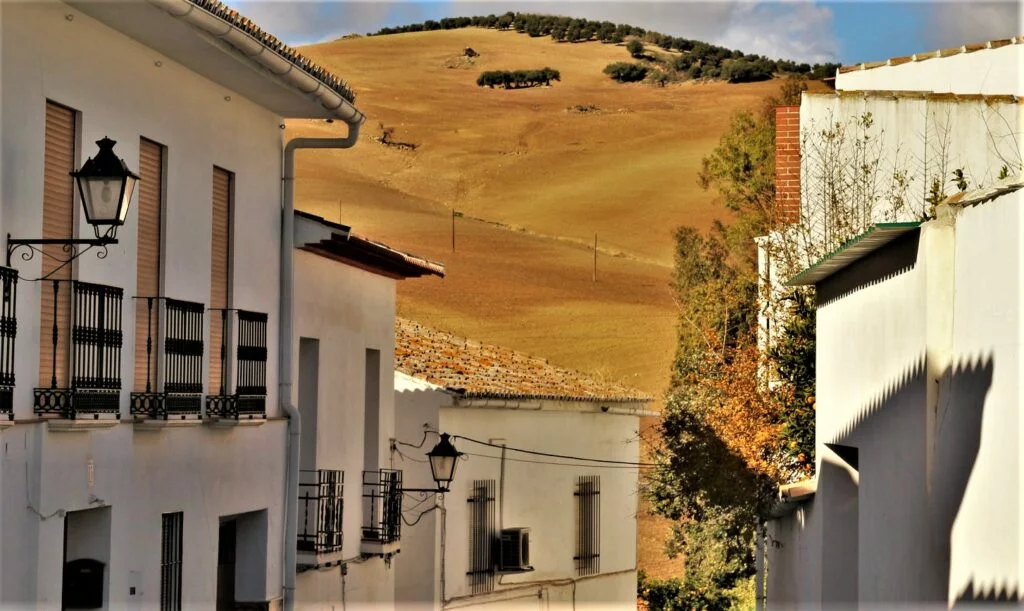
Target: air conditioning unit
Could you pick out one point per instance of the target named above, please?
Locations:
(514, 550)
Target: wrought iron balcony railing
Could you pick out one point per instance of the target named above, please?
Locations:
(249, 399)
(95, 354)
(8, 331)
(174, 339)
(321, 495)
(382, 505)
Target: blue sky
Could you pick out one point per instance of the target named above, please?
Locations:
(806, 30)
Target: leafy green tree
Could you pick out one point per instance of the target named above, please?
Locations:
(625, 72)
(635, 48)
(726, 441)
(793, 357)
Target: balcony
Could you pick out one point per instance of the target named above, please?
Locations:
(247, 332)
(176, 327)
(321, 507)
(8, 331)
(94, 391)
(382, 512)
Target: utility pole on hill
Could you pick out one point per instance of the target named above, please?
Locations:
(453, 229)
(595, 257)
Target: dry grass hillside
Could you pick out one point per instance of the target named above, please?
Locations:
(536, 182)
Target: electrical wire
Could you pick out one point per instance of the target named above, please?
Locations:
(418, 518)
(405, 457)
(422, 441)
(555, 464)
(563, 456)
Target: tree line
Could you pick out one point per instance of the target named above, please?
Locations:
(515, 79)
(702, 59)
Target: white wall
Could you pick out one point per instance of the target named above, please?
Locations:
(989, 71)
(171, 105)
(924, 138)
(348, 310)
(52, 51)
(418, 569)
(918, 369)
(983, 411)
(538, 496)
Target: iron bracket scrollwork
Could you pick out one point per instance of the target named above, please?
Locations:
(70, 247)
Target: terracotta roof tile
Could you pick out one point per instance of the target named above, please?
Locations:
(477, 370)
(233, 17)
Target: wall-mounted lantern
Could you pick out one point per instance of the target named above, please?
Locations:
(105, 185)
(443, 460)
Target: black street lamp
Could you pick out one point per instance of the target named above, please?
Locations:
(443, 460)
(105, 185)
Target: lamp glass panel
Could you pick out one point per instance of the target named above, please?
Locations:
(443, 468)
(126, 200)
(102, 198)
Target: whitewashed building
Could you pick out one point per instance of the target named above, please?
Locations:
(350, 493)
(528, 522)
(918, 491)
(150, 444)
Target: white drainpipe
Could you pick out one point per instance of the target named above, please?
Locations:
(286, 341)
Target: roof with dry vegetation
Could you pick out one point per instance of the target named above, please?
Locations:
(476, 370)
(233, 17)
(918, 57)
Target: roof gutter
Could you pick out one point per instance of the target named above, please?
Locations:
(336, 106)
(286, 341)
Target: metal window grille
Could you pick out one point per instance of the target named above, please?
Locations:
(8, 332)
(249, 398)
(588, 524)
(182, 360)
(482, 535)
(170, 562)
(96, 340)
(321, 492)
(382, 505)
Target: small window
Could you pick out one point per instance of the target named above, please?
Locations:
(482, 532)
(170, 562)
(588, 524)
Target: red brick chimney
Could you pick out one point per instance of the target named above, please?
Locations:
(787, 163)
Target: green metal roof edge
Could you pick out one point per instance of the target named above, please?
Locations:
(800, 278)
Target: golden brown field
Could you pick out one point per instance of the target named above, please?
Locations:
(535, 182)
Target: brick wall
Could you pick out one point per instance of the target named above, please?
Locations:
(787, 163)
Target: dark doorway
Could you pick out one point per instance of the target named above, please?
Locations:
(226, 565)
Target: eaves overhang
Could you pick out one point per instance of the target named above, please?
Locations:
(873, 238)
(337, 242)
(230, 50)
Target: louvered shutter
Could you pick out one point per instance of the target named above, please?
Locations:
(220, 274)
(58, 223)
(150, 206)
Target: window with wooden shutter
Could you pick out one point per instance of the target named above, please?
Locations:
(58, 224)
(220, 280)
(149, 251)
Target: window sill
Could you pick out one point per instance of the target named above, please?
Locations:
(377, 548)
(61, 425)
(230, 423)
(159, 424)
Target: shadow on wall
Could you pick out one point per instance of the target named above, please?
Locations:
(903, 556)
(889, 261)
(1005, 594)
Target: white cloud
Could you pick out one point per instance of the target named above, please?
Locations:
(955, 23)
